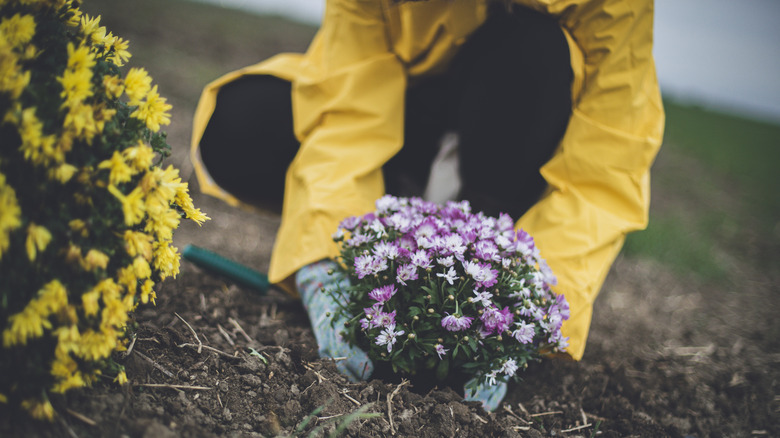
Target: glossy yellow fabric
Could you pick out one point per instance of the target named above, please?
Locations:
(348, 100)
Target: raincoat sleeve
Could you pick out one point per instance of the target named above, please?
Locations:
(348, 100)
(599, 187)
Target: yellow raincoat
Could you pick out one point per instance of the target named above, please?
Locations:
(348, 101)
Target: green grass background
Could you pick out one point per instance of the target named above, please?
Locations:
(722, 170)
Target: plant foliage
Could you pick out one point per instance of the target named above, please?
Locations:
(87, 211)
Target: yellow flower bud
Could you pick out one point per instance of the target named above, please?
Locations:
(38, 238)
(95, 259)
(39, 409)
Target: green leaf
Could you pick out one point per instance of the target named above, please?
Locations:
(471, 365)
(256, 353)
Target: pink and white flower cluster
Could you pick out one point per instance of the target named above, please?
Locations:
(434, 284)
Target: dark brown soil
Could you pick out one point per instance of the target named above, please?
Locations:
(668, 355)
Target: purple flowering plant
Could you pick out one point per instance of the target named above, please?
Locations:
(438, 287)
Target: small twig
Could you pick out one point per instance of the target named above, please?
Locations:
(240, 330)
(200, 344)
(390, 404)
(220, 401)
(338, 359)
(508, 409)
(66, 426)
(522, 408)
(482, 420)
(155, 364)
(130, 348)
(593, 417)
(546, 413)
(81, 417)
(344, 393)
(225, 335)
(199, 347)
(576, 428)
(307, 388)
(164, 385)
(320, 379)
(523, 428)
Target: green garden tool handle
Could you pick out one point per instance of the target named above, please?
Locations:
(235, 271)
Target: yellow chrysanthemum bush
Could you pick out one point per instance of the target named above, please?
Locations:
(87, 211)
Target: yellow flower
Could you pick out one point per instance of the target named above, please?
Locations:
(76, 80)
(35, 147)
(89, 301)
(63, 173)
(108, 289)
(27, 324)
(51, 298)
(38, 238)
(114, 314)
(184, 201)
(95, 259)
(80, 120)
(138, 243)
(140, 156)
(113, 85)
(162, 185)
(119, 171)
(12, 78)
(3, 398)
(10, 214)
(67, 338)
(126, 277)
(74, 19)
(132, 204)
(39, 409)
(18, 30)
(100, 37)
(63, 364)
(30, 52)
(79, 226)
(76, 86)
(73, 255)
(147, 291)
(166, 259)
(121, 54)
(80, 58)
(97, 345)
(137, 85)
(162, 221)
(89, 25)
(70, 381)
(121, 378)
(154, 111)
(141, 268)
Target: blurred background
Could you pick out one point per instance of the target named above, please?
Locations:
(719, 53)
